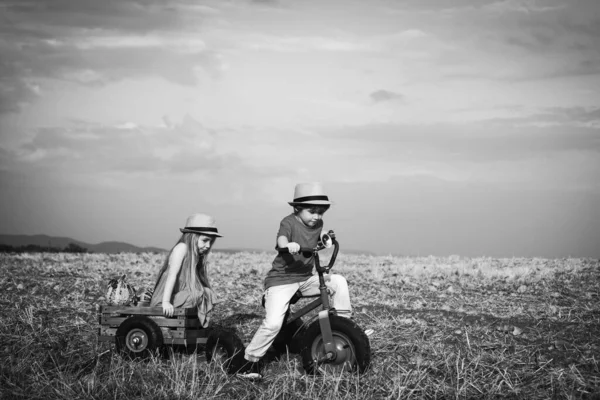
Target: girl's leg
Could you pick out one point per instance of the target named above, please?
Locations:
(340, 295)
(203, 301)
(277, 300)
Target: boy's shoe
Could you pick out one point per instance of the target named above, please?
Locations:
(250, 371)
(369, 332)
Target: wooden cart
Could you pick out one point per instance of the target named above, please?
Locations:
(140, 331)
(183, 328)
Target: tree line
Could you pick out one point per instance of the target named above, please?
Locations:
(34, 248)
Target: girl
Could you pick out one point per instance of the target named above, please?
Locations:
(182, 281)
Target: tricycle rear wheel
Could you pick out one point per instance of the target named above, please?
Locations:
(288, 338)
(225, 347)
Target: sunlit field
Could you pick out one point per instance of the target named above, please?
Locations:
(449, 327)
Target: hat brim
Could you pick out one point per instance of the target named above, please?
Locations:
(207, 233)
(310, 203)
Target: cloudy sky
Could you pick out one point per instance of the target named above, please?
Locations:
(438, 127)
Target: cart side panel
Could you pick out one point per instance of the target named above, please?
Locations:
(183, 328)
(169, 333)
(114, 321)
(131, 310)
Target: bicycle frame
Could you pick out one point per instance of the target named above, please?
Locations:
(324, 295)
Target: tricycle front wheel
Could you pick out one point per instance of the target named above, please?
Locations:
(352, 348)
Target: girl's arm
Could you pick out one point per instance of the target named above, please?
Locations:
(175, 261)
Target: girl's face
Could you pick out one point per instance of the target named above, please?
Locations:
(204, 243)
(310, 216)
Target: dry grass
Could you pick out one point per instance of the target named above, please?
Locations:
(449, 327)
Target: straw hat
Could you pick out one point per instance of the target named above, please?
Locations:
(309, 194)
(201, 223)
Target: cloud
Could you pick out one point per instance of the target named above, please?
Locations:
(184, 156)
(586, 117)
(6, 159)
(410, 41)
(575, 114)
(266, 2)
(304, 34)
(96, 43)
(380, 96)
(470, 144)
(524, 6)
(548, 40)
(107, 175)
(84, 148)
(288, 44)
(561, 35)
(106, 59)
(15, 93)
(51, 17)
(439, 6)
(518, 40)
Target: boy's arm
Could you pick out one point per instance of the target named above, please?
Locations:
(175, 261)
(283, 242)
(283, 237)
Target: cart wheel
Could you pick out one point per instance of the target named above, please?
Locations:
(353, 351)
(288, 338)
(138, 337)
(224, 347)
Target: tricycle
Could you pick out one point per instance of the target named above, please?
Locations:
(326, 342)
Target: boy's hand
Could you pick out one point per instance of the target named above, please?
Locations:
(168, 309)
(293, 247)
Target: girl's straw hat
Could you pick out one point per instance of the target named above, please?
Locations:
(201, 223)
(309, 194)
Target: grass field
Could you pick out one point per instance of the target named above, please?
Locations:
(449, 327)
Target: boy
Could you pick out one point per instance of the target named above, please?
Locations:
(293, 271)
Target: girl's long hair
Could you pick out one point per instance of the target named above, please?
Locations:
(193, 273)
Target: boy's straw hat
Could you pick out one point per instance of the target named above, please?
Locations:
(309, 194)
(201, 223)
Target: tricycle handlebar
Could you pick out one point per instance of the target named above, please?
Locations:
(327, 240)
(302, 250)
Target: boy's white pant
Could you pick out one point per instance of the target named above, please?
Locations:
(277, 300)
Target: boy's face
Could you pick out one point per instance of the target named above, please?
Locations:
(310, 216)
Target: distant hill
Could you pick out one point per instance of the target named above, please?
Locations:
(121, 247)
(62, 242)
